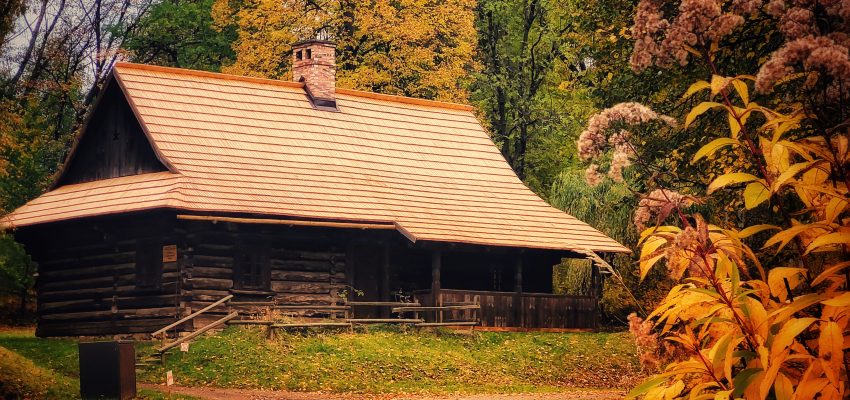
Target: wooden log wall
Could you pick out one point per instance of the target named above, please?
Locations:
(87, 282)
(306, 268)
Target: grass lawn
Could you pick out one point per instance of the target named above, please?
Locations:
(381, 360)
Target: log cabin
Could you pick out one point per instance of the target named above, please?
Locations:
(184, 187)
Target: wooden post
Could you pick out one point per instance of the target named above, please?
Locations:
(436, 261)
(518, 312)
(385, 281)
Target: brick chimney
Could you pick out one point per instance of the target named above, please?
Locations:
(314, 63)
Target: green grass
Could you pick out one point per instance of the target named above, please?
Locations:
(21, 378)
(389, 360)
(381, 360)
(33, 368)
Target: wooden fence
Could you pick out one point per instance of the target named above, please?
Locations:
(526, 310)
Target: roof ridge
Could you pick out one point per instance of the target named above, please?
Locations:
(405, 99)
(219, 75)
(277, 82)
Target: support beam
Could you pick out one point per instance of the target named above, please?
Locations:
(385, 280)
(518, 312)
(436, 265)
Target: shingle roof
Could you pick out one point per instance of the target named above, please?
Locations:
(247, 145)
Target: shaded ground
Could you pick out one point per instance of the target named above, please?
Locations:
(253, 394)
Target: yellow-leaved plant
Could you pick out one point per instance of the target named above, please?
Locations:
(747, 331)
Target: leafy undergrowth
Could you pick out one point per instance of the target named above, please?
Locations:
(390, 360)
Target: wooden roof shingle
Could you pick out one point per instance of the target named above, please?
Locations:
(248, 145)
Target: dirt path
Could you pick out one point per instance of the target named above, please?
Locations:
(208, 393)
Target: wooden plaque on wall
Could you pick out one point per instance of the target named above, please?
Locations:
(169, 253)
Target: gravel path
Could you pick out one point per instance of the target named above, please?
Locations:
(208, 393)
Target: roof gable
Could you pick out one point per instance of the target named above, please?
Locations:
(112, 143)
(248, 145)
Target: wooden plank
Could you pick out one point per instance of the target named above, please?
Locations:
(437, 324)
(312, 324)
(385, 320)
(380, 304)
(316, 307)
(443, 308)
(249, 322)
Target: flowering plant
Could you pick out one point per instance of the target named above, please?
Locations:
(747, 322)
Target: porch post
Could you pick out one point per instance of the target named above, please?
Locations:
(436, 261)
(518, 314)
(385, 280)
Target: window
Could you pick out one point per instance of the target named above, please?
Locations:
(148, 264)
(252, 270)
(309, 54)
(298, 55)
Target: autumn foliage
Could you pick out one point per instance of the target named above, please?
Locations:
(414, 48)
(762, 309)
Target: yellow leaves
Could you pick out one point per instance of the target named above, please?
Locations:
(700, 109)
(829, 272)
(743, 92)
(696, 87)
(791, 172)
(830, 350)
(830, 240)
(785, 236)
(842, 300)
(730, 179)
(649, 254)
(776, 280)
(752, 230)
(712, 147)
(789, 331)
(432, 43)
(754, 194)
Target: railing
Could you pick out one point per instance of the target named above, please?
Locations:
(526, 310)
(192, 315)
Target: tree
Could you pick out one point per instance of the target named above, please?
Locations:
(63, 54)
(181, 33)
(410, 47)
(519, 43)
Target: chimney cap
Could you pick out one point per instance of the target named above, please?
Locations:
(307, 42)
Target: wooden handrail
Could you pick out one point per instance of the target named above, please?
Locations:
(193, 315)
(381, 304)
(440, 308)
(197, 333)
